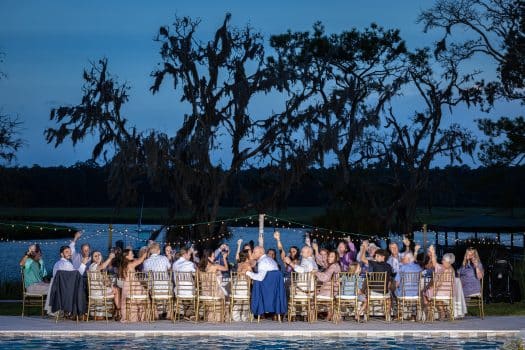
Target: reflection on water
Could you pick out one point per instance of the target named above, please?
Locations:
(168, 342)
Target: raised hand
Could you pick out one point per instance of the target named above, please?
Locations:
(78, 234)
(239, 242)
(416, 248)
(287, 260)
(277, 235)
(315, 246)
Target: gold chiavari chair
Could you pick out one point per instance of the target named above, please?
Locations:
(442, 295)
(377, 292)
(185, 293)
(409, 285)
(137, 295)
(161, 292)
(347, 296)
(240, 296)
(476, 300)
(302, 295)
(210, 297)
(31, 299)
(100, 295)
(325, 302)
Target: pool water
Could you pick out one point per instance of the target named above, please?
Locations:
(168, 342)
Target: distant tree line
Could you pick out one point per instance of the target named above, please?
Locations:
(85, 185)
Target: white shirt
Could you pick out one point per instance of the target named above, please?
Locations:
(66, 265)
(264, 264)
(76, 257)
(156, 263)
(183, 265)
(307, 265)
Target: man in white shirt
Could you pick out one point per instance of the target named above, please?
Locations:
(264, 264)
(183, 264)
(64, 264)
(156, 262)
(308, 263)
(85, 251)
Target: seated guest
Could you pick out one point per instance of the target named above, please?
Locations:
(85, 250)
(353, 285)
(98, 265)
(209, 264)
(34, 271)
(307, 262)
(293, 254)
(264, 264)
(156, 262)
(244, 265)
(394, 259)
(272, 253)
(408, 264)
(184, 263)
(224, 249)
(64, 264)
(444, 288)
(321, 256)
(169, 253)
(366, 254)
(347, 253)
(143, 255)
(470, 273)
(326, 278)
(128, 266)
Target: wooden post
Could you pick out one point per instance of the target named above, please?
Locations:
(110, 237)
(512, 241)
(446, 240)
(261, 230)
(424, 238)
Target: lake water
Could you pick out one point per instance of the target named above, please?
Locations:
(97, 236)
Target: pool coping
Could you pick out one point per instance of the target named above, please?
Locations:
(268, 333)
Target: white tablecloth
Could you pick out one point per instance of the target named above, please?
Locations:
(460, 306)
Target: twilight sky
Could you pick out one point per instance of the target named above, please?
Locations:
(47, 44)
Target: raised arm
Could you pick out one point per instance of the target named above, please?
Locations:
(73, 243)
(280, 247)
(362, 253)
(105, 264)
(239, 243)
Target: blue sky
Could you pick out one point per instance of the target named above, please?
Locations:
(49, 43)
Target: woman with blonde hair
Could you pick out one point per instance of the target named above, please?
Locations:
(471, 272)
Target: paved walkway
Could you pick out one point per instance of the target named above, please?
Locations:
(471, 327)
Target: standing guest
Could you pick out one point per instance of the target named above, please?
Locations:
(34, 271)
(169, 253)
(85, 251)
(293, 254)
(347, 253)
(129, 265)
(184, 263)
(471, 272)
(326, 278)
(156, 262)
(264, 264)
(408, 265)
(244, 265)
(307, 262)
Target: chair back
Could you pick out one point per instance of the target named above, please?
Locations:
(240, 286)
(184, 284)
(138, 283)
(409, 284)
(443, 285)
(160, 285)
(348, 284)
(376, 282)
(97, 284)
(208, 285)
(302, 285)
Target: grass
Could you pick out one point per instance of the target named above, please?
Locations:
(156, 215)
(497, 309)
